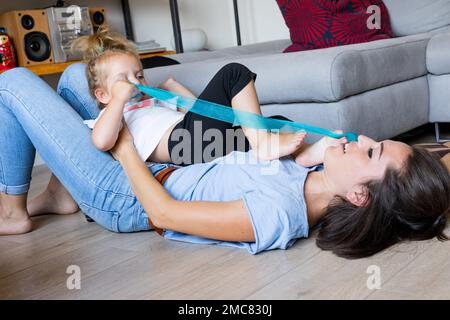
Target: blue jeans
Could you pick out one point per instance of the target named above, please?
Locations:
(33, 116)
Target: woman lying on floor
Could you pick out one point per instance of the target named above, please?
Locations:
(368, 196)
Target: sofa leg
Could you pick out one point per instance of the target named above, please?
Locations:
(438, 136)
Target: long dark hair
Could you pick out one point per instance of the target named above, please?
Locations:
(407, 204)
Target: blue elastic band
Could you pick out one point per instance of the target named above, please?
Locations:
(237, 117)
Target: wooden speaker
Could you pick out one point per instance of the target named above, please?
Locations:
(98, 18)
(30, 34)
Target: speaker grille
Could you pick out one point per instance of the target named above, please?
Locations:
(37, 46)
(98, 17)
(27, 22)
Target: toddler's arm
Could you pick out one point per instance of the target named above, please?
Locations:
(173, 86)
(108, 126)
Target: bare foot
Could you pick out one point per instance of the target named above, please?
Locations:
(272, 146)
(59, 202)
(14, 222)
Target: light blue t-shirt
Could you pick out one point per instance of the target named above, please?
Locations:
(272, 192)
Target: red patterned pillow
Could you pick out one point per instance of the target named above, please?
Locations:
(315, 24)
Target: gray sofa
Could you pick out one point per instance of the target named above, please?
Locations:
(438, 66)
(380, 89)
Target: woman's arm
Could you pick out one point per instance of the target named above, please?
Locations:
(227, 221)
(106, 129)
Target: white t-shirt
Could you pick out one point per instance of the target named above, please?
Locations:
(147, 121)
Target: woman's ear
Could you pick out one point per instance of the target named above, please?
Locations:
(102, 95)
(359, 196)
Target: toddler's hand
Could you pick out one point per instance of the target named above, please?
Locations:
(123, 90)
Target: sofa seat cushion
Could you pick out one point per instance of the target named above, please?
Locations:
(323, 75)
(439, 86)
(268, 47)
(316, 24)
(438, 54)
(410, 17)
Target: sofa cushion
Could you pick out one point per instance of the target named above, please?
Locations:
(323, 75)
(416, 16)
(267, 47)
(438, 54)
(439, 98)
(315, 24)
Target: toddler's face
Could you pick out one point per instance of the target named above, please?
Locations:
(120, 66)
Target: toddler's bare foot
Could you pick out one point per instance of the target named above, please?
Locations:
(16, 222)
(314, 155)
(272, 146)
(59, 202)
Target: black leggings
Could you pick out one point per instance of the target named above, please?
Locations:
(226, 84)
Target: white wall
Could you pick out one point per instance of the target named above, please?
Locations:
(260, 21)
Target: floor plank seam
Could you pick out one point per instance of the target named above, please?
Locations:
(396, 273)
(282, 275)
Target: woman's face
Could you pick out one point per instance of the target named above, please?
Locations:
(349, 166)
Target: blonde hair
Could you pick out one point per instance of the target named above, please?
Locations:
(95, 48)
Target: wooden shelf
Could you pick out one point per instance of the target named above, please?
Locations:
(47, 69)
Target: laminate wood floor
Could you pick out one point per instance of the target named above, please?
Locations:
(145, 266)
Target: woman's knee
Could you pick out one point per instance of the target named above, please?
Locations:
(19, 76)
(74, 76)
(74, 88)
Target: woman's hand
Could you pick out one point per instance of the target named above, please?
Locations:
(123, 90)
(124, 143)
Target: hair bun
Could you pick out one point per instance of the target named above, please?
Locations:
(93, 46)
